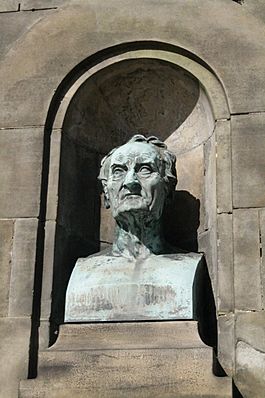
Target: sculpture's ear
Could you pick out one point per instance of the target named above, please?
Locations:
(106, 194)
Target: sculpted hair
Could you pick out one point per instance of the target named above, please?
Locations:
(168, 158)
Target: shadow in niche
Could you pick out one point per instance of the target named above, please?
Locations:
(236, 392)
(204, 305)
(205, 313)
(77, 227)
(181, 220)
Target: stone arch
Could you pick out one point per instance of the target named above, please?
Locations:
(74, 31)
(212, 95)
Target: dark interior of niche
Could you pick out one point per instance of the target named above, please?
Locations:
(145, 96)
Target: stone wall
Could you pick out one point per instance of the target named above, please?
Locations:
(41, 43)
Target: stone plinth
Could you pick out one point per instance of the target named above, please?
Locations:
(145, 359)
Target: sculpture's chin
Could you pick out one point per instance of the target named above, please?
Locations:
(139, 213)
(131, 212)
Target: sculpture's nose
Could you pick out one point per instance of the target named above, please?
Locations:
(132, 183)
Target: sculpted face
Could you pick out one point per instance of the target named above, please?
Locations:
(135, 181)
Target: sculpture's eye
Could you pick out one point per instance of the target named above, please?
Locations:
(145, 170)
(118, 171)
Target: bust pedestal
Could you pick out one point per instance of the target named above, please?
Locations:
(113, 360)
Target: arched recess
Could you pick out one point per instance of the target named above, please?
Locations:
(191, 134)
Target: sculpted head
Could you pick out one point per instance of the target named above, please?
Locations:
(138, 176)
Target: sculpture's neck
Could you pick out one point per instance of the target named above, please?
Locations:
(138, 237)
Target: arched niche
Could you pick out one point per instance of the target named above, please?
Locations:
(149, 92)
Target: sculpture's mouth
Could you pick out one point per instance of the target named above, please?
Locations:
(131, 195)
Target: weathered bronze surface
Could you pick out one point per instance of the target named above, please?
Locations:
(141, 277)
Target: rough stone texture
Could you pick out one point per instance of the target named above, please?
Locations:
(47, 283)
(208, 240)
(250, 353)
(192, 179)
(14, 348)
(20, 172)
(250, 328)
(207, 245)
(145, 96)
(248, 147)
(247, 278)
(226, 342)
(50, 227)
(250, 370)
(126, 22)
(196, 128)
(262, 238)
(23, 263)
(210, 182)
(185, 217)
(225, 271)
(9, 5)
(257, 8)
(44, 334)
(6, 238)
(235, 52)
(40, 4)
(53, 184)
(14, 25)
(135, 360)
(182, 373)
(183, 334)
(223, 167)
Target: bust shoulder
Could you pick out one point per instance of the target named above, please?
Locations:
(108, 287)
(94, 260)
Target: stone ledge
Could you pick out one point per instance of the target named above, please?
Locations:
(119, 360)
(9, 5)
(135, 335)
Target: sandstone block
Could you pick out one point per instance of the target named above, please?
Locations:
(6, 237)
(248, 147)
(23, 265)
(190, 169)
(20, 172)
(8, 5)
(225, 277)
(53, 184)
(210, 182)
(14, 25)
(152, 392)
(207, 245)
(250, 328)
(135, 335)
(226, 342)
(262, 238)
(247, 278)
(129, 362)
(127, 22)
(48, 261)
(257, 8)
(250, 370)
(40, 4)
(223, 167)
(15, 333)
